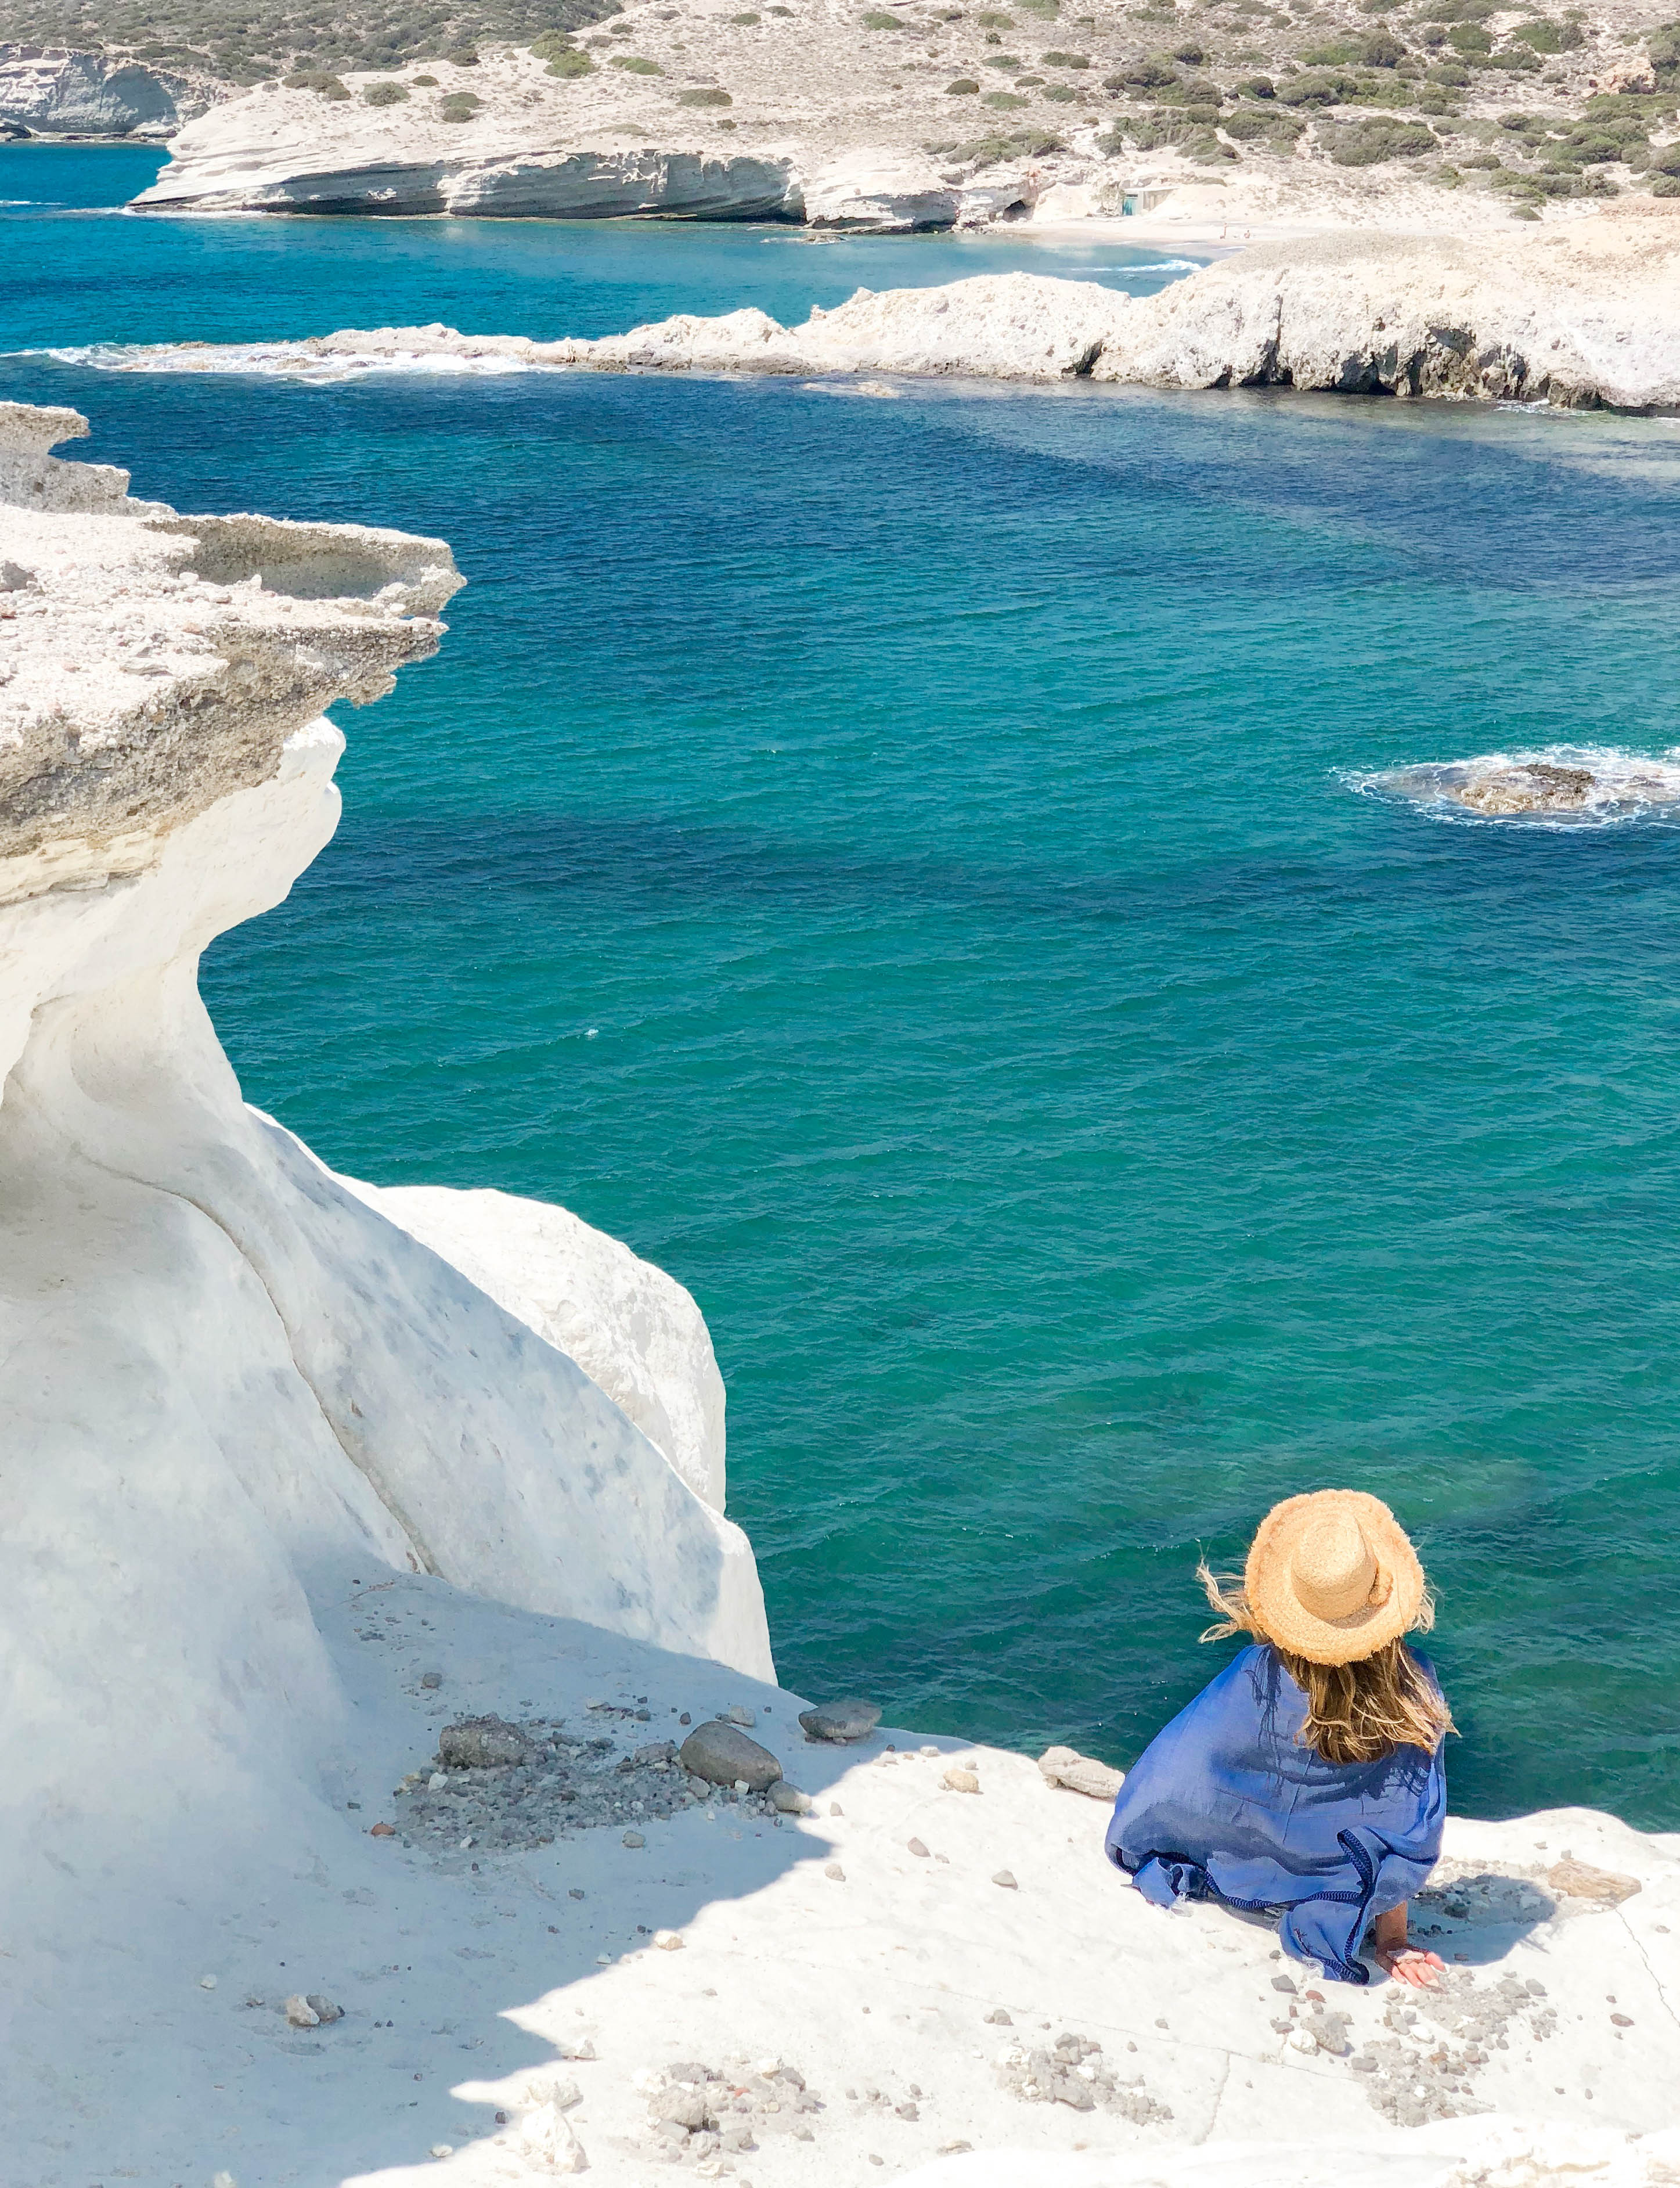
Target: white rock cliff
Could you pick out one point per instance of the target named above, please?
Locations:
(228, 1381)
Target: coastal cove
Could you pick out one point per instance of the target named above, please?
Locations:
(901, 864)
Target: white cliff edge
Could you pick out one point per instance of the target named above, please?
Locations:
(1582, 315)
(298, 1471)
(235, 1380)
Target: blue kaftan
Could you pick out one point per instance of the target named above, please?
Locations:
(1227, 1803)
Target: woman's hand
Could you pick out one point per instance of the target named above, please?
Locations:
(1407, 1964)
(1410, 1964)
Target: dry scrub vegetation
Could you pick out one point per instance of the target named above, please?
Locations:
(1532, 103)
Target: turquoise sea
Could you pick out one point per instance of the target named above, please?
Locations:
(901, 865)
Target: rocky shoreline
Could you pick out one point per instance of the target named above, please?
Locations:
(1581, 317)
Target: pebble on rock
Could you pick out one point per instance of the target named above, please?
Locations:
(432, 1678)
(1080, 1774)
(482, 1743)
(723, 1755)
(737, 1715)
(788, 1800)
(668, 1941)
(300, 2013)
(917, 1847)
(835, 1871)
(959, 1780)
(842, 1721)
(383, 1832)
(634, 1839)
(1006, 1880)
(323, 2007)
(999, 2019)
(206, 1982)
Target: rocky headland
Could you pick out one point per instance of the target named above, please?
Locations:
(399, 1782)
(1203, 119)
(1582, 315)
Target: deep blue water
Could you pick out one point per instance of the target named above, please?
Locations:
(891, 863)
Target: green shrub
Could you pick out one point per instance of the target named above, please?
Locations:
(462, 56)
(570, 62)
(1010, 61)
(1666, 160)
(1065, 60)
(634, 64)
(458, 106)
(1314, 90)
(1002, 99)
(1544, 36)
(1190, 51)
(1516, 60)
(704, 98)
(745, 19)
(1060, 94)
(877, 18)
(1259, 86)
(428, 83)
(317, 80)
(1367, 143)
(1668, 187)
(1469, 38)
(1046, 11)
(1149, 74)
(994, 19)
(1452, 72)
(385, 94)
(963, 88)
(1663, 46)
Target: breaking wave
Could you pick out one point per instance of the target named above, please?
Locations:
(307, 359)
(1557, 787)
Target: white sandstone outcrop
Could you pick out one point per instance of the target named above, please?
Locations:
(633, 1329)
(228, 1383)
(1583, 315)
(55, 92)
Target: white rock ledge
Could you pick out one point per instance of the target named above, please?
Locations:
(1581, 317)
(299, 1470)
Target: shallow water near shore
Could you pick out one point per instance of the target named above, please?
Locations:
(901, 865)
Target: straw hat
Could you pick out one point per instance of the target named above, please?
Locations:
(1332, 1576)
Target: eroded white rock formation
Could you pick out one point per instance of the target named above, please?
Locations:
(1586, 315)
(53, 92)
(229, 1384)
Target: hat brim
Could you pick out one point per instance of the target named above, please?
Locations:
(1286, 1622)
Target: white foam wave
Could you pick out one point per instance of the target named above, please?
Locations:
(1555, 786)
(291, 360)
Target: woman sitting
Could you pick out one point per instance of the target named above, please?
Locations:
(1306, 1779)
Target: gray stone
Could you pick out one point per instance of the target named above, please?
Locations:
(480, 1743)
(1006, 1880)
(850, 1719)
(917, 1847)
(432, 1678)
(684, 2108)
(999, 2019)
(788, 1800)
(1080, 1774)
(835, 1872)
(723, 1755)
(323, 2007)
(661, 1751)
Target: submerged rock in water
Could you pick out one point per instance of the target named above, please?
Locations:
(1534, 786)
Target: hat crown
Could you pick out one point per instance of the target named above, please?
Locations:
(1333, 1569)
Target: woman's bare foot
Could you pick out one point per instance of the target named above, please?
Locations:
(1407, 1964)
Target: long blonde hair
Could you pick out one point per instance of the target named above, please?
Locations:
(1356, 1712)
